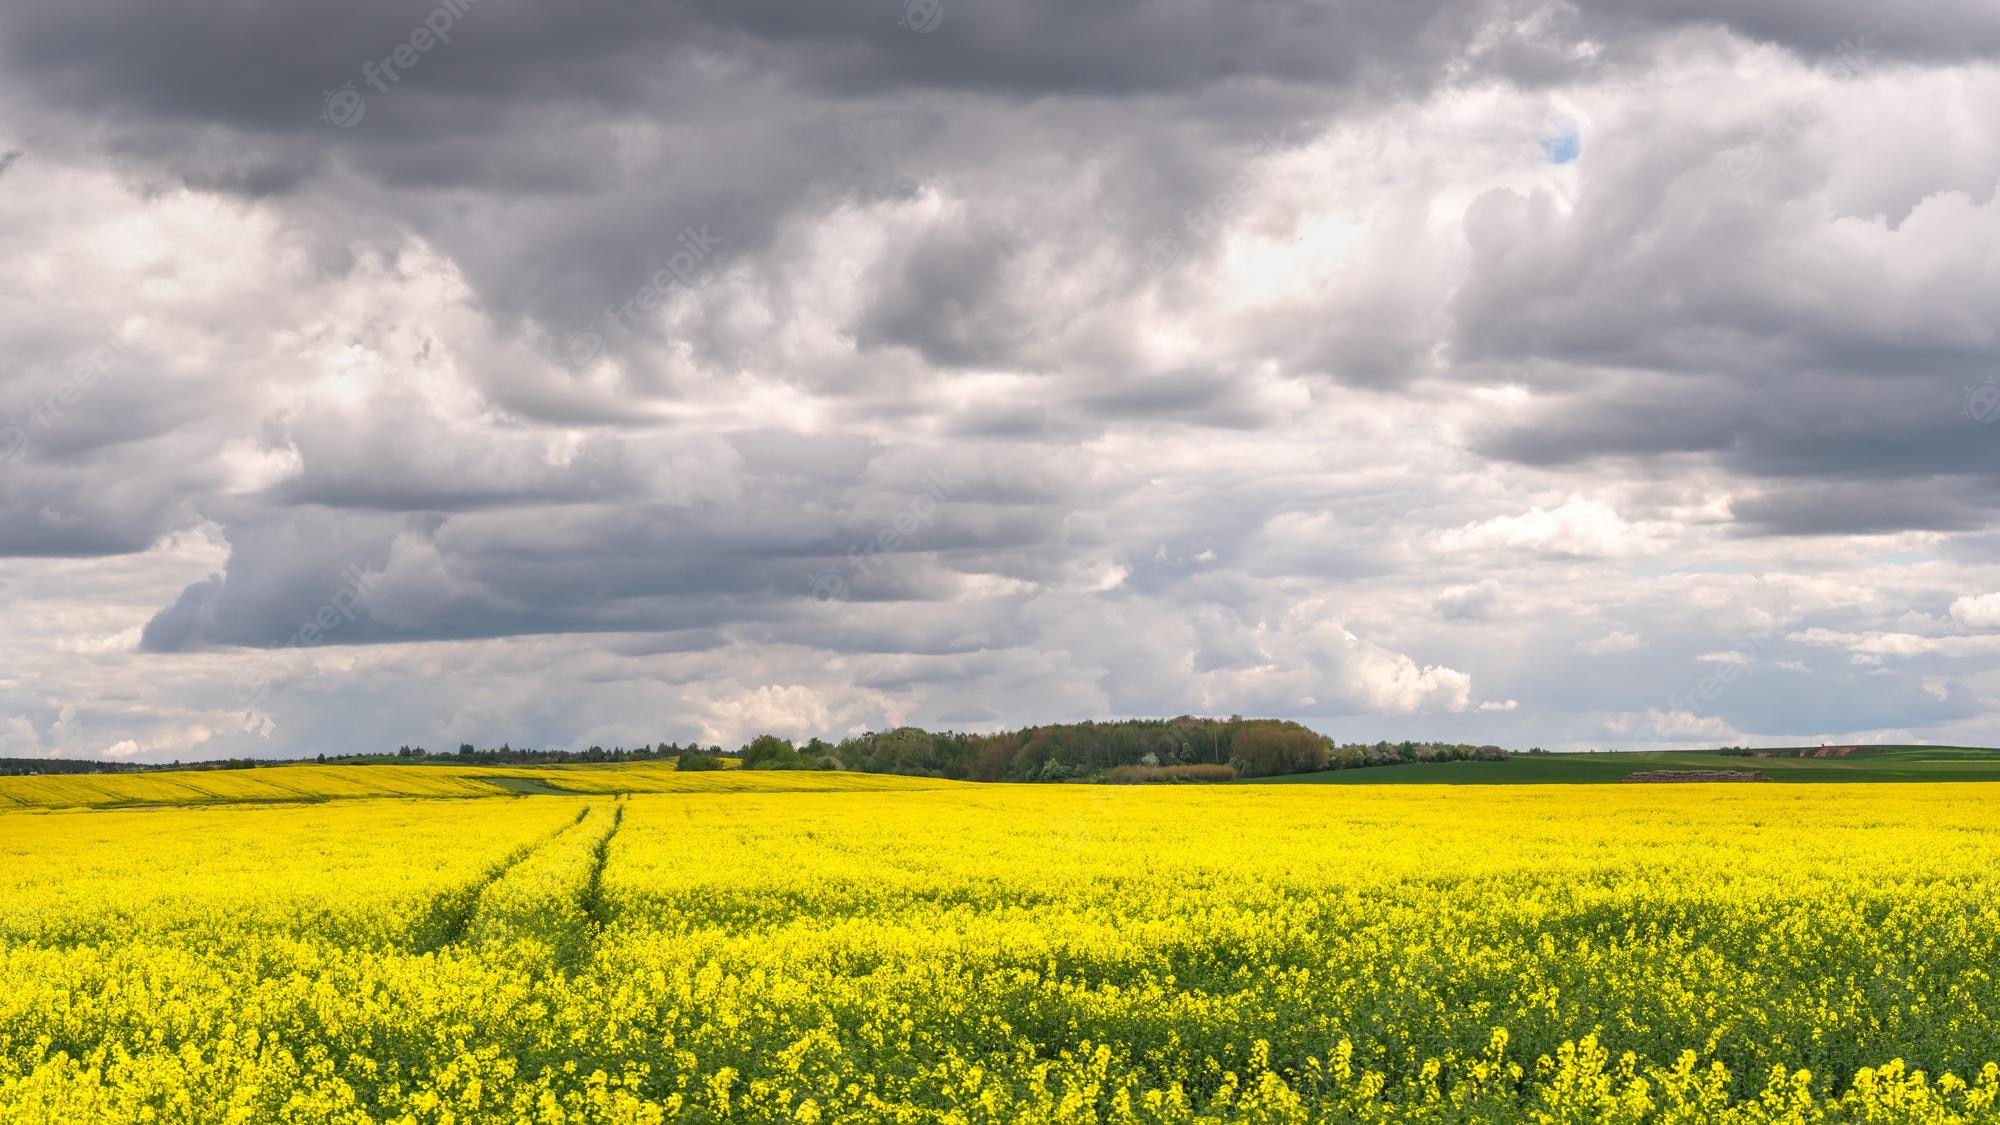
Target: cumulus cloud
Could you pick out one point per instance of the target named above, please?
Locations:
(1618, 640)
(1578, 527)
(1320, 363)
(1977, 611)
(1681, 726)
(1475, 602)
(1874, 646)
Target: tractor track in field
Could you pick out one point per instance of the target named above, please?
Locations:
(592, 899)
(593, 889)
(451, 913)
(566, 926)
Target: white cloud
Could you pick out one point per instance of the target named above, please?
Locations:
(19, 739)
(1406, 371)
(1875, 646)
(1577, 528)
(1618, 640)
(1977, 611)
(1476, 602)
(1394, 684)
(1680, 726)
(1305, 663)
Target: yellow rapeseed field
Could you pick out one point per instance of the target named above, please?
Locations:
(292, 783)
(322, 783)
(1012, 953)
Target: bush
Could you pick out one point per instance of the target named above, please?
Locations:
(696, 762)
(1055, 770)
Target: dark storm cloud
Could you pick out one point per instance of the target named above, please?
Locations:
(395, 463)
(755, 551)
(244, 64)
(432, 578)
(523, 102)
(81, 399)
(1682, 310)
(1209, 397)
(80, 514)
(1783, 425)
(528, 103)
(96, 457)
(1945, 31)
(1866, 508)
(944, 297)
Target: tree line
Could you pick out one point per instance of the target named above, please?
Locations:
(1125, 750)
(1093, 750)
(506, 755)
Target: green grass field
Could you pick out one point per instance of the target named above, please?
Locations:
(1884, 763)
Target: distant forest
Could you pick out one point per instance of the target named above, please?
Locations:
(1186, 748)
(1128, 750)
(20, 766)
(1117, 751)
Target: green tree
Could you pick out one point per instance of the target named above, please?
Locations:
(769, 752)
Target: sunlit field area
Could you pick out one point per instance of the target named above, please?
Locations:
(1010, 953)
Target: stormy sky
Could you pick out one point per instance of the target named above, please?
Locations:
(1616, 374)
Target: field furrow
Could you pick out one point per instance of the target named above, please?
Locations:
(541, 910)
